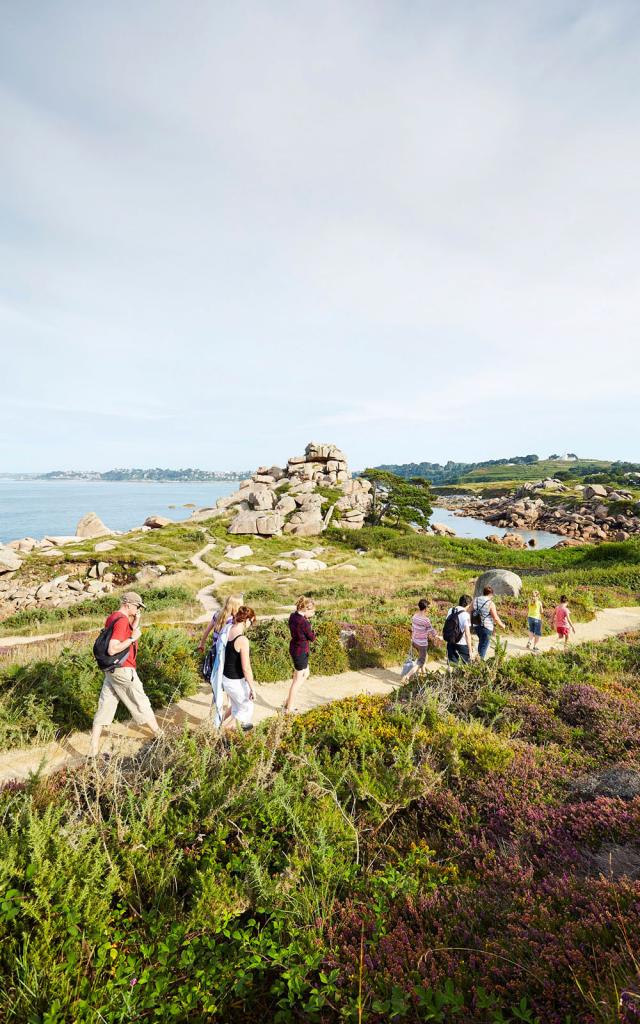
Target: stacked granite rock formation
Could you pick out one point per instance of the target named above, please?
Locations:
(277, 500)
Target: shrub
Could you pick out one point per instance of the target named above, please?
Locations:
(154, 599)
(270, 650)
(42, 698)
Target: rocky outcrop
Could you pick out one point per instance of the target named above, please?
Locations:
(9, 560)
(91, 526)
(157, 522)
(503, 581)
(287, 500)
(442, 531)
(65, 590)
(619, 781)
(589, 521)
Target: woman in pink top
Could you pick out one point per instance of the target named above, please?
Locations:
(562, 620)
(421, 632)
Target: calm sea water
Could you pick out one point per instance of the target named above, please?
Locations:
(33, 508)
(466, 526)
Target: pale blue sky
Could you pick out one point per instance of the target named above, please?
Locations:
(230, 228)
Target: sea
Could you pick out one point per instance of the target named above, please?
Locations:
(35, 508)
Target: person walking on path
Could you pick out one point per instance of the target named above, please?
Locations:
(457, 632)
(220, 624)
(421, 632)
(562, 621)
(123, 683)
(237, 679)
(535, 610)
(301, 636)
(223, 617)
(486, 617)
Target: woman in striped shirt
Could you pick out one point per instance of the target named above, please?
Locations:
(421, 632)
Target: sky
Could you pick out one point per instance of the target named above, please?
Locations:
(230, 228)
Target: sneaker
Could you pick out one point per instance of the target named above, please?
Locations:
(529, 645)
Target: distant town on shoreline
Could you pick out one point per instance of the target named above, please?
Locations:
(516, 467)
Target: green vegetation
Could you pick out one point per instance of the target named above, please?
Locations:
(396, 500)
(160, 602)
(425, 857)
(515, 469)
(43, 698)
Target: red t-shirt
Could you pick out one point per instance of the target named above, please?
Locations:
(122, 631)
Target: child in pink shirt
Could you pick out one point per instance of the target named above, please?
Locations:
(562, 620)
(421, 632)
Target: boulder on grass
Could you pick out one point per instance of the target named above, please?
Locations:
(238, 552)
(310, 565)
(157, 522)
(92, 526)
(503, 581)
(9, 560)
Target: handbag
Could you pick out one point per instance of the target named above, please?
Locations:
(408, 665)
(207, 664)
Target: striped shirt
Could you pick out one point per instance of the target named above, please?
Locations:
(421, 630)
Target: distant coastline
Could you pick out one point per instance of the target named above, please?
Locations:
(135, 475)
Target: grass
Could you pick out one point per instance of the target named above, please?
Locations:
(163, 603)
(421, 857)
(48, 697)
(534, 471)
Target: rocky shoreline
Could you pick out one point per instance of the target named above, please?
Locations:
(299, 499)
(587, 520)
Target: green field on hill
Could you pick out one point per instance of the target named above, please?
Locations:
(533, 471)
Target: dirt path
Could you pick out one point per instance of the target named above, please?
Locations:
(204, 596)
(126, 738)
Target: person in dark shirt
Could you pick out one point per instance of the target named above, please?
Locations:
(301, 635)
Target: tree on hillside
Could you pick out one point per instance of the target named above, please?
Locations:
(396, 500)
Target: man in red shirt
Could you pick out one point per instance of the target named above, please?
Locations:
(123, 683)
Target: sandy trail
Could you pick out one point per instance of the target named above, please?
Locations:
(126, 738)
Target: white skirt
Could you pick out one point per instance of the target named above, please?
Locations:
(237, 690)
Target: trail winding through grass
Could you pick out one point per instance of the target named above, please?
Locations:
(126, 738)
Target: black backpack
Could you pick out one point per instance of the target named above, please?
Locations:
(479, 613)
(452, 631)
(107, 662)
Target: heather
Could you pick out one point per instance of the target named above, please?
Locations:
(429, 856)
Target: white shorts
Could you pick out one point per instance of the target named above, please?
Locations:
(122, 684)
(237, 690)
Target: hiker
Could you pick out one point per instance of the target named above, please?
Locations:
(484, 617)
(213, 668)
(534, 621)
(237, 679)
(301, 636)
(562, 621)
(123, 683)
(457, 632)
(421, 631)
(224, 616)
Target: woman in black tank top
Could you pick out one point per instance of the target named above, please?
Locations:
(233, 661)
(237, 678)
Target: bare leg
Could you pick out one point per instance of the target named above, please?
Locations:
(152, 722)
(96, 733)
(228, 722)
(298, 678)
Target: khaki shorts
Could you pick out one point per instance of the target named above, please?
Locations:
(122, 684)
